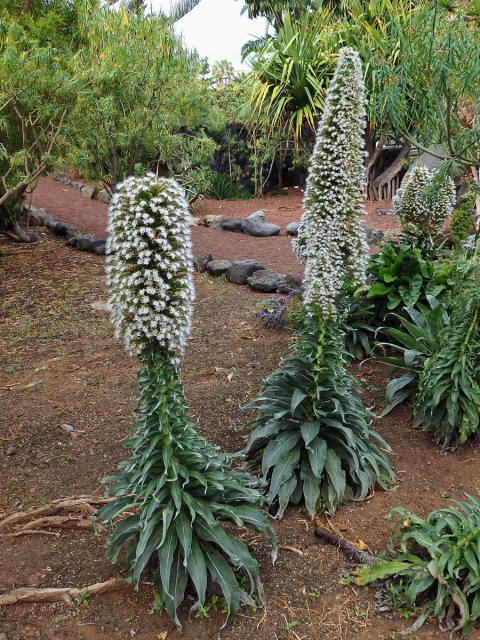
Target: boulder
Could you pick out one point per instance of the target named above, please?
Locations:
(213, 221)
(258, 216)
(241, 270)
(88, 192)
(260, 229)
(103, 196)
(232, 224)
(292, 229)
(78, 186)
(59, 228)
(265, 280)
(289, 283)
(218, 267)
(200, 263)
(84, 243)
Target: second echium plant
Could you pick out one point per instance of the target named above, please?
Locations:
(423, 203)
(176, 488)
(311, 437)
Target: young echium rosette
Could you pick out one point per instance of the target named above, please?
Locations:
(176, 490)
(149, 264)
(331, 239)
(312, 436)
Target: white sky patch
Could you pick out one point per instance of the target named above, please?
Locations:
(216, 29)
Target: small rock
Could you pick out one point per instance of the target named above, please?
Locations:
(68, 427)
(193, 222)
(232, 224)
(213, 221)
(218, 267)
(241, 270)
(374, 236)
(384, 211)
(71, 230)
(292, 229)
(78, 186)
(59, 228)
(258, 216)
(200, 263)
(64, 179)
(11, 451)
(265, 280)
(84, 243)
(88, 192)
(99, 247)
(103, 196)
(289, 283)
(260, 229)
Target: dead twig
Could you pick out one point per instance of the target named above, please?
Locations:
(350, 550)
(288, 547)
(67, 594)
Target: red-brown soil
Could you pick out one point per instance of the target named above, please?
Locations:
(61, 364)
(68, 205)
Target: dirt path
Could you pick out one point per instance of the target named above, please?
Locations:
(62, 365)
(68, 205)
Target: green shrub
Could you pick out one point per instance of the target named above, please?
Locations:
(435, 565)
(222, 187)
(462, 223)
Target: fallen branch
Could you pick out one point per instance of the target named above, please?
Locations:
(349, 549)
(68, 594)
(82, 504)
(25, 532)
(60, 522)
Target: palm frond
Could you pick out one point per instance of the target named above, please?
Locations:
(180, 8)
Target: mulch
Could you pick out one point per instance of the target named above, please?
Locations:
(68, 205)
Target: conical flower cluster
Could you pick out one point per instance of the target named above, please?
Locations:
(149, 264)
(331, 241)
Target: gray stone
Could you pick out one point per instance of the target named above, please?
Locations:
(218, 267)
(241, 270)
(265, 280)
(101, 248)
(71, 230)
(384, 211)
(260, 229)
(232, 224)
(103, 196)
(88, 192)
(193, 221)
(258, 216)
(59, 228)
(200, 263)
(64, 179)
(289, 283)
(11, 451)
(374, 236)
(292, 229)
(213, 221)
(69, 428)
(78, 186)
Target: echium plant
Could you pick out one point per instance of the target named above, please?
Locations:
(176, 488)
(423, 203)
(312, 436)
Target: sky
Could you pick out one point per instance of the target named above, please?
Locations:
(216, 29)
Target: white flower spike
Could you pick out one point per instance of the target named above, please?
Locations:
(149, 264)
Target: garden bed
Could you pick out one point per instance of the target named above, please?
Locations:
(62, 365)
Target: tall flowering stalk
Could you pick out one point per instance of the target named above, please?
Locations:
(176, 488)
(331, 240)
(312, 437)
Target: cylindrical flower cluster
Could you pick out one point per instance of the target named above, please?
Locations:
(424, 201)
(331, 239)
(149, 264)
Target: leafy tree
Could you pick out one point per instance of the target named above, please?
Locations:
(146, 99)
(37, 93)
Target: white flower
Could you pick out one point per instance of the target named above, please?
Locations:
(149, 264)
(424, 201)
(331, 239)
